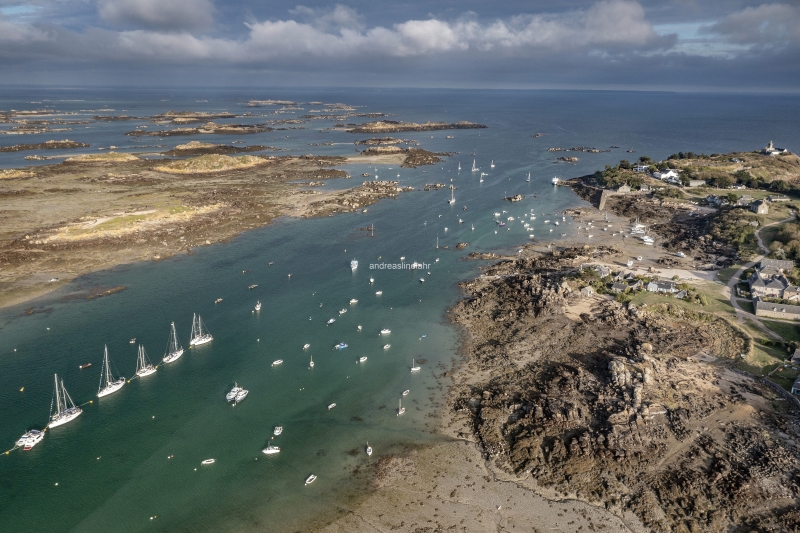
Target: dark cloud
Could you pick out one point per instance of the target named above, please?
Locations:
(592, 44)
(165, 15)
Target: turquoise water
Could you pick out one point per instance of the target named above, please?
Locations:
(111, 465)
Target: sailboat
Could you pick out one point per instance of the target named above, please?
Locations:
(174, 349)
(369, 449)
(400, 408)
(492, 165)
(108, 385)
(413, 367)
(311, 364)
(65, 407)
(452, 199)
(143, 365)
(459, 166)
(529, 177)
(258, 305)
(198, 337)
(474, 168)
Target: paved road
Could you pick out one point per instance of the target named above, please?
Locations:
(728, 290)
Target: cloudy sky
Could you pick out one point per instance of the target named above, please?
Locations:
(731, 45)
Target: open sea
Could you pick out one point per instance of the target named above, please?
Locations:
(131, 461)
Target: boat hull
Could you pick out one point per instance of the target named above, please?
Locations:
(271, 451)
(63, 417)
(197, 341)
(111, 388)
(173, 356)
(146, 371)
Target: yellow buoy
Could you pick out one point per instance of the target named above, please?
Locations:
(22, 389)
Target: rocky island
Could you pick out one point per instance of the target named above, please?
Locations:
(392, 126)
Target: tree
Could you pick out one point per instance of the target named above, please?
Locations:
(625, 164)
(644, 159)
(779, 186)
(732, 197)
(721, 182)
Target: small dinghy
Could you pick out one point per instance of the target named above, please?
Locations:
(277, 362)
(208, 462)
(311, 479)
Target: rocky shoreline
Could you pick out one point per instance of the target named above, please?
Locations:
(632, 410)
(394, 126)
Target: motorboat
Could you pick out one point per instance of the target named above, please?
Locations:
(277, 431)
(234, 391)
(369, 449)
(30, 439)
(385, 331)
(422, 280)
(65, 407)
(331, 321)
(132, 341)
(208, 462)
(556, 180)
(218, 300)
(258, 306)
(378, 293)
(253, 286)
(405, 392)
(362, 359)
(372, 280)
(353, 301)
(269, 450)
(342, 311)
(87, 365)
(311, 479)
(387, 346)
(341, 346)
(277, 362)
(108, 383)
(359, 328)
(241, 395)
(353, 264)
(306, 346)
(331, 406)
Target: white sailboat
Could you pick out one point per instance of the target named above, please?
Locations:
(474, 168)
(198, 337)
(452, 199)
(492, 165)
(414, 368)
(258, 305)
(459, 166)
(174, 348)
(65, 407)
(400, 408)
(143, 365)
(311, 364)
(108, 384)
(369, 449)
(529, 177)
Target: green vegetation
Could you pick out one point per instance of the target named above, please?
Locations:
(790, 332)
(735, 227)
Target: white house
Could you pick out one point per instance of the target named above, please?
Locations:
(666, 174)
(640, 168)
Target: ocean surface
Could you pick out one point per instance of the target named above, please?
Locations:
(132, 461)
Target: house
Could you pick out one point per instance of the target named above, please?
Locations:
(767, 285)
(792, 292)
(697, 183)
(641, 168)
(796, 386)
(624, 188)
(773, 198)
(796, 358)
(745, 200)
(635, 285)
(666, 174)
(662, 286)
(644, 187)
(760, 207)
(619, 287)
(770, 149)
(773, 310)
(681, 295)
(587, 291)
(778, 265)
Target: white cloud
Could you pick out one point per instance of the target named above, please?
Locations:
(165, 15)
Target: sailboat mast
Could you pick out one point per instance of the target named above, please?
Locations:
(58, 395)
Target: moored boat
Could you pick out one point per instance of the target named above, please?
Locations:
(143, 365)
(30, 439)
(233, 392)
(311, 479)
(65, 407)
(278, 430)
(277, 362)
(241, 395)
(198, 336)
(108, 384)
(174, 348)
(208, 462)
(269, 450)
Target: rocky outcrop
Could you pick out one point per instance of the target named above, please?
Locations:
(391, 126)
(47, 145)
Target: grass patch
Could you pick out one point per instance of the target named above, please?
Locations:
(725, 275)
(763, 360)
(790, 332)
(747, 307)
(118, 222)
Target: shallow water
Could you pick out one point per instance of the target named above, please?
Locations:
(111, 464)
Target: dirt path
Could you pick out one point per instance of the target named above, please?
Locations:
(729, 293)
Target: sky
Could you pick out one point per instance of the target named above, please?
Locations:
(684, 45)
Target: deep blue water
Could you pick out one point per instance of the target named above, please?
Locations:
(112, 465)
